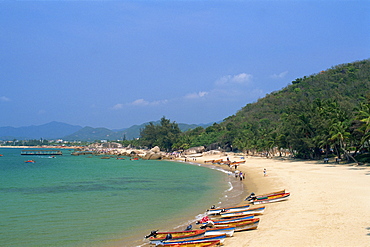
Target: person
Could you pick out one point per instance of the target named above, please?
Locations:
(241, 176)
(251, 197)
(264, 172)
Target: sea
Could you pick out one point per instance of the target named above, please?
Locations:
(84, 200)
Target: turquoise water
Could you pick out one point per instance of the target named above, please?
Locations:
(80, 201)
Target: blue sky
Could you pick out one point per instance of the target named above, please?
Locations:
(118, 63)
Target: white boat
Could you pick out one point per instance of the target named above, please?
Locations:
(229, 231)
(227, 210)
(254, 211)
(272, 199)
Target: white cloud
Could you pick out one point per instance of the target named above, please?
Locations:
(279, 76)
(196, 95)
(4, 99)
(117, 106)
(242, 78)
(142, 102)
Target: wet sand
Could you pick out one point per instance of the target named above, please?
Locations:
(329, 203)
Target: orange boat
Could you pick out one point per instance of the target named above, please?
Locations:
(210, 243)
(156, 237)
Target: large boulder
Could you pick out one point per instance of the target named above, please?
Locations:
(156, 149)
(195, 150)
(152, 156)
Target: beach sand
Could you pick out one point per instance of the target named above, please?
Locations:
(329, 203)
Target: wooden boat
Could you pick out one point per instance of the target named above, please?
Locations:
(264, 195)
(228, 230)
(254, 211)
(220, 237)
(242, 225)
(156, 237)
(237, 162)
(235, 219)
(210, 243)
(270, 199)
(217, 161)
(227, 209)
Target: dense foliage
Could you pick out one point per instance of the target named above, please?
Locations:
(322, 114)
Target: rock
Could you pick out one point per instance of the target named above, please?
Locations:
(156, 149)
(152, 156)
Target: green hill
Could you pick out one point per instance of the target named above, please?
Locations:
(316, 115)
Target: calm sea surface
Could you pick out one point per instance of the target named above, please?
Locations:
(81, 201)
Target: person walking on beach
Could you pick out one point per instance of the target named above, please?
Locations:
(264, 172)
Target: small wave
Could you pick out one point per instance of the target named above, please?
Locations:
(230, 188)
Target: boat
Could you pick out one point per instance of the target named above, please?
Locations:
(217, 161)
(233, 220)
(237, 162)
(245, 226)
(252, 195)
(156, 237)
(271, 199)
(254, 211)
(220, 237)
(228, 230)
(210, 243)
(241, 225)
(227, 209)
(29, 161)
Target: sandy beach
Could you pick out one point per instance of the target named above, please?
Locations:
(329, 203)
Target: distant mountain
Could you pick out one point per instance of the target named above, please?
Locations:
(58, 130)
(52, 130)
(92, 134)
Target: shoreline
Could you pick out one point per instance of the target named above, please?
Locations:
(329, 203)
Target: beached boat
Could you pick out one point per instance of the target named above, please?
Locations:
(237, 162)
(271, 199)
(262, 196)
(242, 225)
(217, 161)
(254, 211)
(227, 209)
(156, 237)
(230, 220)
(220, 237)
(210, 243)
(229, 231)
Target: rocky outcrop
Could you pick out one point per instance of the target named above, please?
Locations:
(195, 150)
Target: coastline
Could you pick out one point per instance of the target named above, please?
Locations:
(329, 203)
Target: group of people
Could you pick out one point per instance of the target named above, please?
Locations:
(239, 174)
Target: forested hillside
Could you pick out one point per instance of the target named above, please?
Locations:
(321, 114)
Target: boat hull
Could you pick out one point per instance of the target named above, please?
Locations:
(220, 237)
(254, 211)
(229, 231)
(210, 243)
(277, 198)
(160, 236)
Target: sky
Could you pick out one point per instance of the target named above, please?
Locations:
(115, 64)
